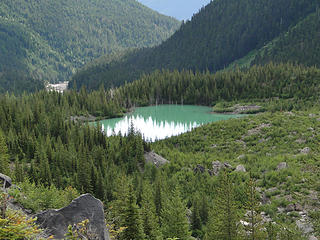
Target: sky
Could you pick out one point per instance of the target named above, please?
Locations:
(180, 9)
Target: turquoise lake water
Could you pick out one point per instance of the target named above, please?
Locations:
(162, 121)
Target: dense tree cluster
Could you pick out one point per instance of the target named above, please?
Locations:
(259, 82)
(221, 33)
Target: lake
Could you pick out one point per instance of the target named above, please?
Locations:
(162, 121)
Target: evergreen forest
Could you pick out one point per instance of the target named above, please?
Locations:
(46, 149)
(48, 40)
(254, 177)
(219, 36)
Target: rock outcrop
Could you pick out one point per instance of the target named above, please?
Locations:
(5, 181)
(217, 166)
(282, 165)
(306, 150)
(157, 160)
(240, 168)
(199, 169)
(56, 222)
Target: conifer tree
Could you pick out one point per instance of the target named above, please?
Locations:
(195, 218)
(174, 217)
(18, 170)
(204, 209)
(148, 213)
(253, 217)
(158, 198)
(4, 157)
(224, 216)
(132, 219)
(44, 169)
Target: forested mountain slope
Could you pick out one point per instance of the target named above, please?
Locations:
(50, 39)
(299, 45)
(278, 151)
(222, 32)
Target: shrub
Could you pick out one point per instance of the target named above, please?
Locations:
(40, 197)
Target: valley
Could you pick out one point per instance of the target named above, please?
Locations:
(209, 130)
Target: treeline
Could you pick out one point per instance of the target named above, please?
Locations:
(221, 33)
(259, 82)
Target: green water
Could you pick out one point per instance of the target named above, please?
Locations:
(162, 121)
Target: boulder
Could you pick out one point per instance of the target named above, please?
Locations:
(56, 222)
(312, 237)
(290, 208)
(305, 226)
(227, 165)
(282, 165)
(157, 160)
(306, 150)
(199, 169)
(5, 180)
(298, 207)
(240, 168)
(216, 167)
(265, 199)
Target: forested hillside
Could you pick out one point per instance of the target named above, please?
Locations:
(222, 32)
(283, 81)
(48, 40)
(53, 156)
(299, 45)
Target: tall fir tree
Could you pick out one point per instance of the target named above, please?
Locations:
(196, 223)
(174, 217)
(4, 156)
(254, 228)
(148, 213)
(224, 217)
(132, 219)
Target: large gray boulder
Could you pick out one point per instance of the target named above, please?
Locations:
(217, 166)
(56, 222)
(5, 181)
(157, 160)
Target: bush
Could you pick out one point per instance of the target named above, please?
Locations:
(40, 197)
(14, 224)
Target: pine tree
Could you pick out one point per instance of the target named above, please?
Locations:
(253, 217)
(195, 218)
(132, 219)
(148, 213)
(204, 209)
(4, 157)
(174, 217)
(224, 216)
(18, 170)
(158, 198)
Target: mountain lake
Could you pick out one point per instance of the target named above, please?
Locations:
(162, 121)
